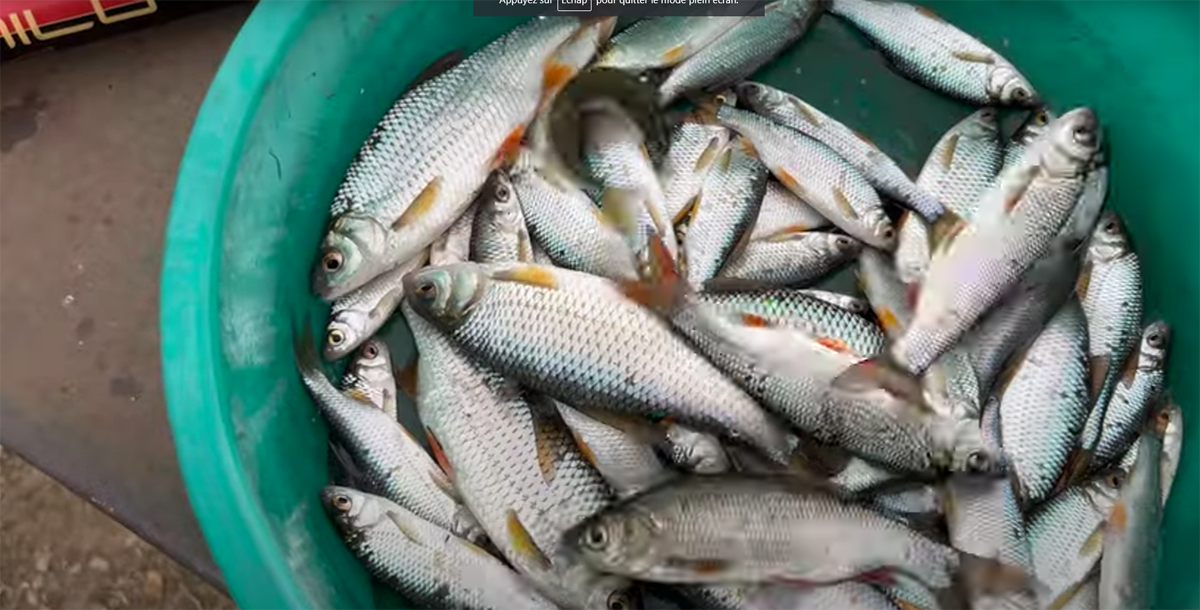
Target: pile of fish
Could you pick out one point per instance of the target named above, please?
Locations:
(633, 386)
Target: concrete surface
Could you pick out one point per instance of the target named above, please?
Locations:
(90, 141)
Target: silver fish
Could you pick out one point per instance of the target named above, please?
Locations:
(879, 169)
(1172, 444)
(962, 164)
(1129, 565)
(723, 213)
(952, 387)
(743, 49)
(1139, 388)
(928, 50)
(1033, 127)
(797, 309)
(525, 322)
(616, 158)
(731, 530)
(662, 42)
(694, 451)
(357, 316)
(695, 144)
(877, 278)
(499, 234)
(984, 518)
(434, 148)
(394, 464)
(422, 561)
(1110, 288)
(369, 374)
(1086, 596)
(454, 246)
(1044, 402)
(788, 260)
(516, 465)
(1018, 220)
(783, 212)
(1066, 536)
(627, 463)
(843, 596)
(816, 174)
(565, 222)
(850, 303)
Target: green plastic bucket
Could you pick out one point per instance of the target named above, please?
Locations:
(304, 83)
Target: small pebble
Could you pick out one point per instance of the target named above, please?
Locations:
(99, 564)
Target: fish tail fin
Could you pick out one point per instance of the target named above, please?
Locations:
(943, 230)
(406, 379)
(882, 373)
(660, 287)
(1077, 467)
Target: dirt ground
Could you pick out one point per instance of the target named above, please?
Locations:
(58, 551)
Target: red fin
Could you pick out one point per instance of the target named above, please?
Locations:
(835, 344)
(507, 152)
(555, 75)
(1118, 519)
(912, 293)
(661, 286)
(883, 577)
(406, 379)
(1099, 370)
(749, 319)
(439, 455)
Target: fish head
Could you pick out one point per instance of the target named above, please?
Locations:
(343, 332)
(371, 360)
(499, 203)
(980, 125)
(972, 454)
(599, 590)
(761, 98)
(352, 254)
(350, 509)
(1109, 241)
(1034, 126)
(1105, 488)
(620, 541)
(844, 246)
(1071, 144)
(1156, 340)
(1008, 87)
(445, 295)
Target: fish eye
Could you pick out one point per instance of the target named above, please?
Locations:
(987, 114)
(844, 242)
(618, 600)
(1110, 226)
(595, 537)
(332, 261)
(1155, 339)
(978, 461)
(1020, 93)
(888, 233)
(342, 502)
(1114, 480)
(370, 351)
(1164, 416)
(502, 193)
(1083, 135)
(425, 288)
(721, 100)
(1041, 118)
(335, 337)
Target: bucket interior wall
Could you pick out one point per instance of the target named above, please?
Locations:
(306, 81)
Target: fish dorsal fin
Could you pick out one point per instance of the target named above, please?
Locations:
(530, 275)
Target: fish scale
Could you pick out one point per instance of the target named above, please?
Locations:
(722, 529)
(1064, 536)
(627, 464)
(743, 49)
(792, 260)
(499, 233)
(421, 560)
(725, 210)
(877, 278)
(1044, 405)
(576, 338)
(794, 308)
(695, 143)
(508, 457)
(817, 175)
(1133, 397)
(879, 169)
(370, 372)
(434, 148)
(928, 50)
(783, 212)
(660, 42)
(984, 518)
(1110, 288)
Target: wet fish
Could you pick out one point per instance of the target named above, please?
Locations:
(928, 50)
(1033, 127)
(723, 213)
(877, 278)
(1139, 388)
(695, 144)
(743, 49)
(1172, 444)
(393, 462)
(1066, 536)
(1018, 220)
(1044, 402)
(788, 260)
(694, 451)
(879, 169)
(369, 374)
(357, 316)
(565, 222)
(763, 529)
(628, 463)
(1110, 288)
(816, 174)
(422, 561)
(850, 303)
(662, 42)
(617, 159)
(517, 467)
(952, 387)
(782, 212)
(798, 309)
(961, 166)
(499, 234)
(983, 517)
(1129, 565)
(529, 322)
(434, 148)
(454, 246)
